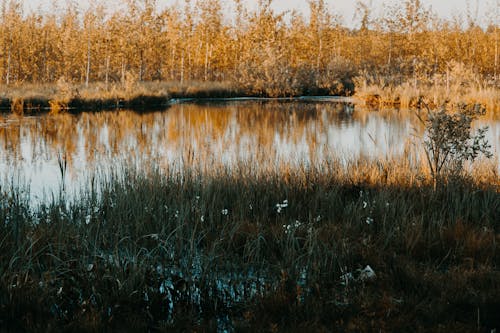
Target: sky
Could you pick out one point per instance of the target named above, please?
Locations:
(444, 8)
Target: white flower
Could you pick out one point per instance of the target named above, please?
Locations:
(224, 212)
(280, 206)
(365, 204)
(202, 218)
(346, 278)
(369, 220)
(367, 274)
(288, 228)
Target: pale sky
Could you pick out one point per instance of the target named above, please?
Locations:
(444, 8)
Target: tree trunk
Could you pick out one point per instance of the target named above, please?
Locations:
(141, 65)
(123, 72)
(87, 72)
(206, 62)
(7, 75)
(496, 54)
(107, 71)
(9, 60)
(182, 68)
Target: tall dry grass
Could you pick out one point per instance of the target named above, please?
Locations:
(459, 85)
(407, 96)
(131, 94)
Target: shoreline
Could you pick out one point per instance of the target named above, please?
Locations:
(141, 103)
(408, 96)
(143, 96)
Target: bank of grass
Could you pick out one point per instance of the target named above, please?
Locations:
(64, 96)
(374, 93)
(280, 250)
(407, 96)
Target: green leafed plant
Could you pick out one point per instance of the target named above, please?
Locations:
(449, 140)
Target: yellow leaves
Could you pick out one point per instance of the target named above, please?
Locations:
(266, 52)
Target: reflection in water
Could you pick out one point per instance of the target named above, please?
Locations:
(32, 148)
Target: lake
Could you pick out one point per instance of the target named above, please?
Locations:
(44, 152)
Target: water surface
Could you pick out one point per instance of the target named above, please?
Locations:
(48, 151)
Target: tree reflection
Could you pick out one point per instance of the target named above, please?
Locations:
(262, 132)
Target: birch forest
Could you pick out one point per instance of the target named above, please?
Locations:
(259, 50)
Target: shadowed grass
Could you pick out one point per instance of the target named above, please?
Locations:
(273, 251)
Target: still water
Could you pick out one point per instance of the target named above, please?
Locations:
(44, 152)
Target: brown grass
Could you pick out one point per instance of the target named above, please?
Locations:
(406, 95)
(64, 96)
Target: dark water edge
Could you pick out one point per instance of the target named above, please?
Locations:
(76, 105)
(33, 106)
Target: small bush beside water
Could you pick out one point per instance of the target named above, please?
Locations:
(359, 247)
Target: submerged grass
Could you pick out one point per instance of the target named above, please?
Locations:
(278, 250)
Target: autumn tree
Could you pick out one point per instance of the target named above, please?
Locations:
(261, 50)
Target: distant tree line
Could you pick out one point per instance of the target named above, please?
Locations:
(262, 51)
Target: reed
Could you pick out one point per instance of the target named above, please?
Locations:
(380, 94)
(196, 248)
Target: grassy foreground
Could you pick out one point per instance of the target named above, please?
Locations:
(281, 250)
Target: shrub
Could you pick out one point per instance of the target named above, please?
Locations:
(449, 141)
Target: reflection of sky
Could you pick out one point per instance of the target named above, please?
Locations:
(291, 133)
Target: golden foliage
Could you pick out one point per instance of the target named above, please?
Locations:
(260, 51)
